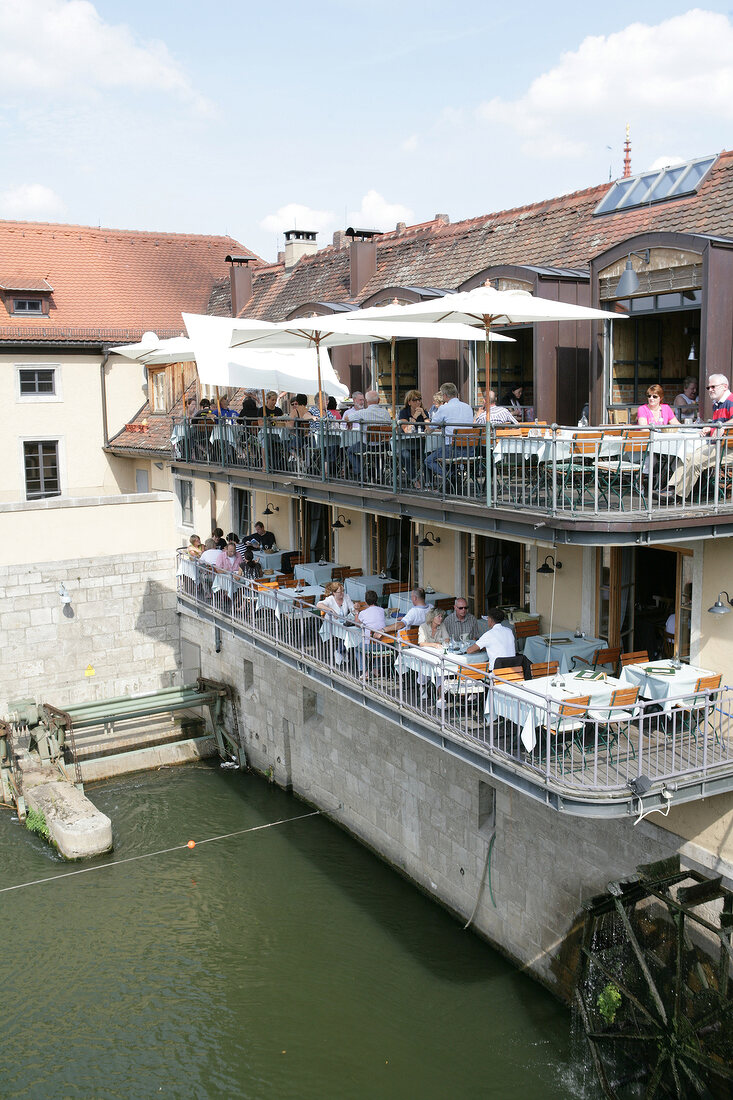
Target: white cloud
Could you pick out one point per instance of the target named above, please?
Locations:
(409, 145)
(296, 216)
(376, 213)
(31, 201)
(65, 45)
(665, 162)
(665, 75)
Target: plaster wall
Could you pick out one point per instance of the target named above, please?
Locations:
(73, 416)
(349, 541)
(568, 610)
(438, 563)
(428, 814)
(278, 522)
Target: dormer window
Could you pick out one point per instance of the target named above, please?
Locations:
(28, 306)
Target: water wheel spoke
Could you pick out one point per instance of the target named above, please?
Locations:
(698, 1083)
(656, 1077)
(717, 1012)
(700, 1058)
(677, 1082)
(598, 1064)
(627, 1036)
(641, 960)
(622, 988)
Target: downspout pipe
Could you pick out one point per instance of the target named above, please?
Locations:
(103, 385)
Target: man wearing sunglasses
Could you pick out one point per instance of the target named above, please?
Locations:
(700, 457)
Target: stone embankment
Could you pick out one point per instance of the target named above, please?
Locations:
(77, 828)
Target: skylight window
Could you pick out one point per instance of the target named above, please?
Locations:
(669, 183)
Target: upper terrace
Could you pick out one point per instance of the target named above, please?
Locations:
(569, 484)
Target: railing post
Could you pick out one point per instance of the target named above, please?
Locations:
(322, 441)
(553, 429)
(489, 465)
(266, 443)
(395, 461)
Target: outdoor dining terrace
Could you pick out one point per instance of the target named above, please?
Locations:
(606, 473)
(588, 738)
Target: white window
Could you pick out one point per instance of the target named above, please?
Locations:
(28, 306)
(158, 401)
(41, 467)
(185, 499)
(37, 382)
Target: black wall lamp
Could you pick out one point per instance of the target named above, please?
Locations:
(429, 539)
(339, 522)
(719, 607)
(629, 281)
(547, 569)
(270, 509)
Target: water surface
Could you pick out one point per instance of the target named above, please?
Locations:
(284, 963)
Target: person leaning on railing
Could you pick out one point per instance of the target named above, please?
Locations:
(699, 458)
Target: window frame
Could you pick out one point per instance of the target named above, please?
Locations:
(24, 398)
(183, 506)
(15, 312)
(39, 440)
(153, 376)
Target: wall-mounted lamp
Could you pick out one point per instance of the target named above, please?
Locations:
(546, 568)
(340, 521)
(270, 509)
(719, 607)
(629, 281)
(428, 539)
(65, 597)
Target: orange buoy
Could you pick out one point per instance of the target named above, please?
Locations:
(192, 843)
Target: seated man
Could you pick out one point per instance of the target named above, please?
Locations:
(228, 560)
(702, 457)
(260, 539)
(451, 414)
(461, 621)
(498, 641)
(210, 554)
(497, 414)
(371, 617)
(415, 616)
(359, 420)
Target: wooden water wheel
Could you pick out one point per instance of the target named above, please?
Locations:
(655, 988)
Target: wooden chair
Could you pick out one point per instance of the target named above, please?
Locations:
(287, 582)
(265, 586)
(638, 657)
(409, 635)
(612, 719)
(544, 668)
(529, 628)
(509, 675)
(395, 586)
(696, 709)
(297, 558)
(445, 604)
(468, 685)
(601, 657)
(465, 463)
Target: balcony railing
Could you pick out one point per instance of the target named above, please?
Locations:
(603, 473)
(576, 751)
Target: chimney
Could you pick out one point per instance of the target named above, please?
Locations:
(363, 257)
(339, 239)
(443, 219)
(298, 242)
(240, 282)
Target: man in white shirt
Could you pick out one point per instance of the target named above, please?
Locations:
(371, 617)
(497, 414)
(415, 616)
(210, 554)
(497, 641)
(453, 413)
(359, 420)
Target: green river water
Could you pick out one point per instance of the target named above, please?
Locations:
(284, 963)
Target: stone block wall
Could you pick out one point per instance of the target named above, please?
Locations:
(122, 621)
(428, 814)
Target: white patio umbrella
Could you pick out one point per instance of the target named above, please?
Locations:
(335, 331)
(486, 307)
(153, 352)
(218, 364)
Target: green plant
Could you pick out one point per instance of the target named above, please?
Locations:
(36, 822)
(609, 1000)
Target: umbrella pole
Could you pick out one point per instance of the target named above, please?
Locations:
(320, 387)
(393, 373)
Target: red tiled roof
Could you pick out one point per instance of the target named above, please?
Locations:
(559, 232)
(109, 284)
(149, 433)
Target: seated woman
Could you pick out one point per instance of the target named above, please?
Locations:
(687, 400)
(195, 547)
(333, 409)
(335, 601)
(413, 418)
(432, 633)
(251, 569)
(655, 413)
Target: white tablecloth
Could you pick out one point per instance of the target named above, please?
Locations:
(283, 600)
(350, 635)
(223, 582)
(357, 587)
(272, 559)
(563, 648)
(314, 573)
(402, 601)
(662, 686)
(187, 568)
(525, 703)
(434, 664)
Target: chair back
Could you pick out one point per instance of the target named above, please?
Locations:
(378, 434)
(606, 657)
(446, 604)
(544, 668)
(638, 657)
(474, 672)
(465, 438)
(619, 416)
(349, 572)
(635, 444)
(586, 444)
(509, 675)
(296, 558)
(624, 697)
(395, 586)
(409, 635)
(708, 683)
(265, 586)
(287, 582)
(574, 708)
(306, 599)
(527, 629)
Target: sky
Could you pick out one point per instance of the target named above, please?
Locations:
(249, 119)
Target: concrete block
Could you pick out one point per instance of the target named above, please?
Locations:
(41, 616)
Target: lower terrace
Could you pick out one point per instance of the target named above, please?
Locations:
(567, 741)
(582, 481)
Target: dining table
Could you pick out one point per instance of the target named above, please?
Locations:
(402, 601)
(528, 703)
(357, 587)
(314, 572)
(283, 601)
(434, 664)
(271, 559)
(661, 681)
(561, 647)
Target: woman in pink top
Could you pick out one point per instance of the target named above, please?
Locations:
(655, 413)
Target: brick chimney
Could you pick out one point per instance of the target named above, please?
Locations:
(363, 257)
(240, 282)
(298, 242)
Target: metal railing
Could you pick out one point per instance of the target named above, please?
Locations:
(596, 750)
(609, 472)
